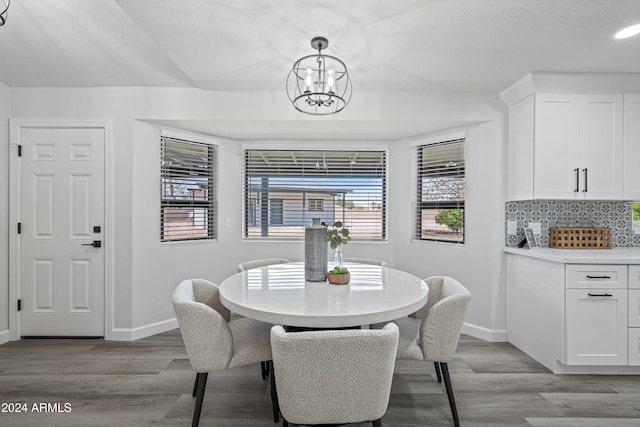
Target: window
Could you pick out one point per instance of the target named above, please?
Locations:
(315, 204)
(440, 191)
(285, 189)
(188, 206)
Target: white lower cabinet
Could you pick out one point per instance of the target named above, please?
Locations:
(634, 347)
(596, 322)
(576, 318)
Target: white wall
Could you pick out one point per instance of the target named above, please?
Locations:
(5, 102)
(146, 272)
(479, 263)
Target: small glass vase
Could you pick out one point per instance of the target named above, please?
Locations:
(337, 260)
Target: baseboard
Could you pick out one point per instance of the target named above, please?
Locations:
(121, 334)
(559, 368)
(4, 337)
(491, 335)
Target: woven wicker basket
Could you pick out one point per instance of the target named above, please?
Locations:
(580, 238)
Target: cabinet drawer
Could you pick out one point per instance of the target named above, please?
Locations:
(590, 276)
(634, 277)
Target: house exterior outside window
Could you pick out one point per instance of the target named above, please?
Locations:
(440, 190)
(285, 189)
(188, 192)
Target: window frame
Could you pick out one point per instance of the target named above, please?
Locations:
(330, 147)
(210, 204)
(419, 205)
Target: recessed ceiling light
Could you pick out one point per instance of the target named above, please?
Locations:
(628, 32)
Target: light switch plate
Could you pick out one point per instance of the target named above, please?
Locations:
(512, 227)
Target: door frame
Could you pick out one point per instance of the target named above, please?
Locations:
(15, 127)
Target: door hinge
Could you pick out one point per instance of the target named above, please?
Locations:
(19, 227)
(19, 150)
(19, 304)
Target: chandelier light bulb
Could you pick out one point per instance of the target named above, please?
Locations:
(308, 81)
(331, 81)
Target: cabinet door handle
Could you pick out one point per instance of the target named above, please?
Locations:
(598, 277)
(600, 295)
(577, 171)
(585, 179)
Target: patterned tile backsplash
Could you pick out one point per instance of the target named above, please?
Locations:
(617, 215)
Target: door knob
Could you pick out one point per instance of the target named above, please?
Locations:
(95, 244)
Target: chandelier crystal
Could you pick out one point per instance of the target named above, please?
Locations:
(319, 84)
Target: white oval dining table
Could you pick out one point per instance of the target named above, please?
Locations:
(279, 294)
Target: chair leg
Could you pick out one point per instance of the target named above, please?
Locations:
(201, 380)
(377, 423)
(452, 401)
(437, 365)
(274, 395)
(264, 368)
(195, 387)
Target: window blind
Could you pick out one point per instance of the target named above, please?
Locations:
(440, 194)
(285, 189)
(188, 207)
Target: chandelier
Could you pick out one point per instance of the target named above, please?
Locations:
(319, 84)
(3, 14)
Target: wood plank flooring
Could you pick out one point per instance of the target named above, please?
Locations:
(149, 382)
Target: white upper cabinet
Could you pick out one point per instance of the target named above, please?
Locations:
(578, 146)
(574, 137)
(631, 184)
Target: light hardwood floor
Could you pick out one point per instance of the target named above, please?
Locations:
(149, 383)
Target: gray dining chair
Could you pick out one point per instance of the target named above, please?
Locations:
(256, 263)
(214, 342)
(432, 333)
(334, 376)
(370, 261)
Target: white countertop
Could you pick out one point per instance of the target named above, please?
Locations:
(582, 256)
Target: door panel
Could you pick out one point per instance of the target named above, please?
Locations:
(61, 200)
(596, 326)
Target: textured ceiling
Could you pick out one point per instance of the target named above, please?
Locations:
(424, 45)
(243, 45)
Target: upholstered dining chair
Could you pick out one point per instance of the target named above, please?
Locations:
(334, 376)
(213, 342)
(257, 263)
(366, 261)
(248, 265)
(432, 333)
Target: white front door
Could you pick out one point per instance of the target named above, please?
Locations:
(61, 215)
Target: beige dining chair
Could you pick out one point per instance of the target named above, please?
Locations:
(256, 263)
(432, 333)
(334, 376)
(214, 342)
(370, 261)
